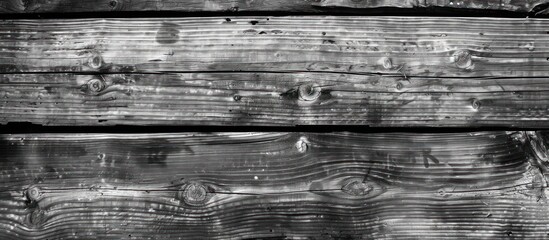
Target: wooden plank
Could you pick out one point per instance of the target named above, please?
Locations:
(406, 46)
(378, 71)
(59, 6)
(280, 99)
(279, 185)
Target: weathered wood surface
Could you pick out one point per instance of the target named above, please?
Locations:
(272, 99)
(283, 185)
(60, 6)
(377, 71)
(405, 46)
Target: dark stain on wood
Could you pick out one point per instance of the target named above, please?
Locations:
(168, 33)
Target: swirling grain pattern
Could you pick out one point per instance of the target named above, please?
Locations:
(273, 185)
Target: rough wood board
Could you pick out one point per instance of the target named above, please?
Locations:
(378, 71)
(280, 185)
(279, 99)
(60, 6)
(406, 46)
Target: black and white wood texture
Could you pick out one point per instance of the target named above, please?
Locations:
(535, 7)
(471, 185)
(301, 70)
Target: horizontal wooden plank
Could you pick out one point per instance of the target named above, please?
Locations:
(407, 46)
(57, 6)
(282, 99)
(280, 185)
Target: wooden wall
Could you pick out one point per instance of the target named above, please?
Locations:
(400, 74)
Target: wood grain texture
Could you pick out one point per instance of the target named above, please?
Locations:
(325, 6)
(377, 71)
(405, 46)
(280, 99)
(273, 185)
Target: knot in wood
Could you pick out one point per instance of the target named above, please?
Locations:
(96, 85)
(309, 92)
(95, 61)
(301, 145)
(399, 86)
(387, 63)
(357, 188)
(445, 192)
(475, 104)
(441, 192)
(194, 194)
(36, 218)
(33, 193)
(462, 59)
